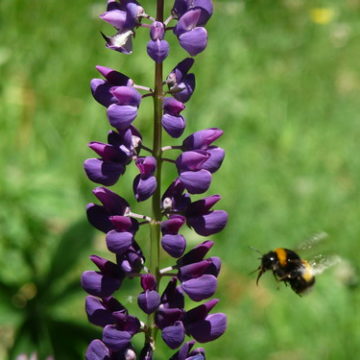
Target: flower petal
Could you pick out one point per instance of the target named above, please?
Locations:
(173, 125)
(118, 242)
(97, 350)
(116, 339)
(144, 187)
(200, 288)
(210, 223)
(174, 245)
(174, 335)
(194, 41)
(98, 284)
(196, 182)
(121, 116)
(149, 301)
(97, 313)
(209, 329)
(158, 50)
(103, 172)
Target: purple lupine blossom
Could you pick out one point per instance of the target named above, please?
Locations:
(193, 274)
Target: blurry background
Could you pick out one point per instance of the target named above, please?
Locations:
(282, 78)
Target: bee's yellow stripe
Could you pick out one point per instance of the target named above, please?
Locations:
(282, 256)
(308, 273)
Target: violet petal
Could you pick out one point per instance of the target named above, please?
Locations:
(115, 339)
(210, 223)
(173, 125)
(174, 335)
(97, 350)
(174, 245)
(149, 301)
(121, 116)
(196, 182)
(200, 288)
(103, 172)
(118, 242)
(98, 284)
(209, 329)
(158, 50)
(194, 41)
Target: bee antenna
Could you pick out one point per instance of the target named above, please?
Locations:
(258, 251)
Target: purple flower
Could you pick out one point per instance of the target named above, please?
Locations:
(185, 352)
(171, 241)
(149, 299)
(132, 261)
(172, 122)
(100, 311)
(200, 140)
(181, 84)
(157, 47)
(204, 220)
(101, 89)
(112, 204)
(145, 183)
(105, 282)
(201, 325)
(192, 38)
(124, 16)
(122, 113)
(182, 6)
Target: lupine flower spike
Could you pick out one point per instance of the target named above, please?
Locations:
(193, 275)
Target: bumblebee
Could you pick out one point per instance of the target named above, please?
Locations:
(287, 266)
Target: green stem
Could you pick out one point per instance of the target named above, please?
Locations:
(156, 198)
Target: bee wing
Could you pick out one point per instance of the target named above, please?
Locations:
(312, 241)
(320, 263)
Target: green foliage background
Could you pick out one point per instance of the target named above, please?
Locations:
(285, 89)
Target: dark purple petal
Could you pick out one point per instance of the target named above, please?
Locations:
(97, 350)
(194, 270)
(146, 165)
(210, 223)
(172, 106)
(174, 335)
(121, 42)
(173, 125)
(201, 139)
(148, 281)
(185, 89)
(158, 50)
(118, 242)
(103, 172)
(215, 160)
(167, 316)
(191, 160)
(206, 7)
(179, 72)
(121, 116)
(126, 322)
(182, 354)
(199, 312)
(196, 182)
(174, 245)
(112, 202)
(114, 77)
(115, 339)
(187, 22)
(124, 223)
(196, 254)
(149, 301)
(200, 288)
(194, 41)
(101, 92)
(126, 95)
(108, 152)
(172, 225)
(144, 187)
(172, 297)
(202, 206)
(97, 313)
(98, 217)
(209, 329)
(98, 284)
